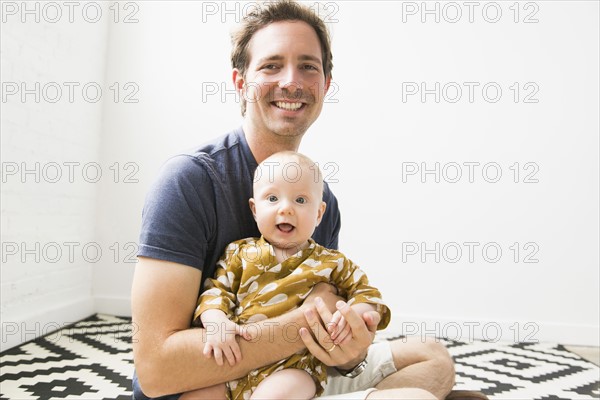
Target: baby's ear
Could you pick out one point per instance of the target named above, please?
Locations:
(252, 207)
(320, 212)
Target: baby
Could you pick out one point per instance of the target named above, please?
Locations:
(260, 278)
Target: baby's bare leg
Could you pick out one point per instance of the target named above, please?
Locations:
(216, 392)
(286, 384)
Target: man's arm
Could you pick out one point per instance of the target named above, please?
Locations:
(168, 354)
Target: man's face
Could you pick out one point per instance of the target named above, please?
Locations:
(284, 84)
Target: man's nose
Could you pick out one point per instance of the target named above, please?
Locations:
(291, 81)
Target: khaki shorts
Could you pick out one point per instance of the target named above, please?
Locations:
(380, 365)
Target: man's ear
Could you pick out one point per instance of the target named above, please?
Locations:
(238, 80)
(320, 212)
(252, 207)
(327, 83)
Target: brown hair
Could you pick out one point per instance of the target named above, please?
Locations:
(274, 11)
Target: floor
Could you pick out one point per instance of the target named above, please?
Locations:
(591, 354)
(92, 360)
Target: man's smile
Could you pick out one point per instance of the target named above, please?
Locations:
(288, 106)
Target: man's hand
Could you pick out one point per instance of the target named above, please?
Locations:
(220, 333)
(350, 351)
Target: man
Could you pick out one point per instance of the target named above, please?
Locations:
(282, 68)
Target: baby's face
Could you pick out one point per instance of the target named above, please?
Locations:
(287, 203)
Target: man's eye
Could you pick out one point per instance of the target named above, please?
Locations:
(301, 200)
(272, 198)
(270, 66)
(310, 67)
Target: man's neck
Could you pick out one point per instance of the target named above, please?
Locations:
(263, 145)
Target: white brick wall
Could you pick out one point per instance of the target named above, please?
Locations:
(47, 289)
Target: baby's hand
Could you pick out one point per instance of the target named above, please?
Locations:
(220, 337)
(338, 328)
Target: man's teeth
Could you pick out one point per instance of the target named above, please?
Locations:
(288, 106)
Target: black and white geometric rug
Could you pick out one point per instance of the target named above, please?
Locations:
(93, 360)
(525, 371)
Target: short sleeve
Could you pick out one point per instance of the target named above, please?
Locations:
(353, 284)
(179, 215)
(220, 293)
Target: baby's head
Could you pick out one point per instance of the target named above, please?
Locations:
(288, 199)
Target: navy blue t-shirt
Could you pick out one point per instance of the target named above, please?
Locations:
(199, 204)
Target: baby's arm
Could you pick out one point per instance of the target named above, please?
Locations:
(220, 333)
(353, 284)
(216, 306)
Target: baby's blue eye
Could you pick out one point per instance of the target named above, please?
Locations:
(272, 198)
(301, 200)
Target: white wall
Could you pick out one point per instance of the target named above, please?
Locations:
(48, 214)
(558, 215)
(167, 56)
(178, 52)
